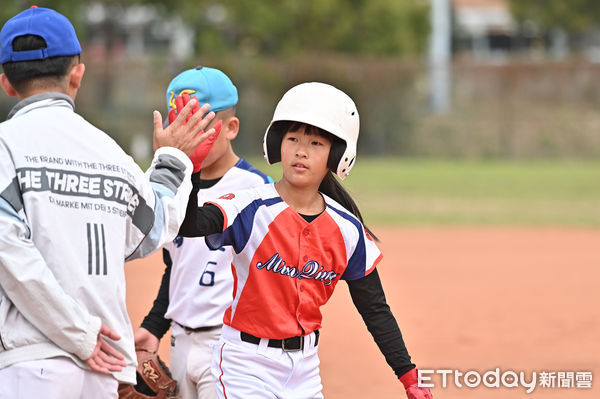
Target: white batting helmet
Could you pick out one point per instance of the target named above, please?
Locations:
(323, 106)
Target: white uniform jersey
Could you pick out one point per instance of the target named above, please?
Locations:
(201, 283)
(73, 208)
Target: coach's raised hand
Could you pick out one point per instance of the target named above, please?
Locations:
(186, 132)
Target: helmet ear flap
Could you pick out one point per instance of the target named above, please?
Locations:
(273, 137)
(338, 147)
(273, 146)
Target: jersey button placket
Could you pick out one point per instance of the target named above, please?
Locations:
(304, 250)
(304, 245)
(299, 291)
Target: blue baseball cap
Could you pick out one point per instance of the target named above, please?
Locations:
(54, 28)
(208, 85)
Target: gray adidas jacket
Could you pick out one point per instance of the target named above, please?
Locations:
(73, 208)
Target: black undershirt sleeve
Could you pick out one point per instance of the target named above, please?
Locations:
(155, 321)
(369, 298)
(200, 221)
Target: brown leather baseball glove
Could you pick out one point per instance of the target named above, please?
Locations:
(154, 380)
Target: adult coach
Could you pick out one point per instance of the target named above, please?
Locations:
(197, 285)
(73, 208)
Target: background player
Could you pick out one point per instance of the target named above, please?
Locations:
(197, 285)
(73, 207)
(293, 241)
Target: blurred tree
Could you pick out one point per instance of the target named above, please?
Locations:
(276, 27)
(70, 8)
(573, 15)
(284, 27)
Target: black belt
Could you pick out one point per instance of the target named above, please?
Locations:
(199, 329)
(292, 344)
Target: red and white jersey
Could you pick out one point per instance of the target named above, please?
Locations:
(201, 283)
(285, 267)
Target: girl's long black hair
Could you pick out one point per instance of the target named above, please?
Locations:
(330, 186)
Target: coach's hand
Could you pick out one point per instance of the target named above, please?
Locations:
(186, 132)
(105, 358)
(200, 153)
(145, 340)
(410, 381)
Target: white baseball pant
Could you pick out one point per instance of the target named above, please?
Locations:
(189, 361)
(55, 378)
(245, 370)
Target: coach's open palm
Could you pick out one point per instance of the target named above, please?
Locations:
(186, 132)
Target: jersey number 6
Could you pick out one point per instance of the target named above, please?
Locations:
(208, 277)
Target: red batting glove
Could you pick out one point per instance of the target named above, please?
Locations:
(410, 380)
(180, 102)
(203, 148)
(200, 153)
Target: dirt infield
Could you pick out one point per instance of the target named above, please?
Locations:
(467, 300)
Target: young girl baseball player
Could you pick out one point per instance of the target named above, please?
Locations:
(293, 241)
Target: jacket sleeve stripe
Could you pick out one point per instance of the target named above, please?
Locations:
(143, 216)
(12, 195)
(169, 171)
(154, 224)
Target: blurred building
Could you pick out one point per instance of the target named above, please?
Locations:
(485, 28)
(136, 30)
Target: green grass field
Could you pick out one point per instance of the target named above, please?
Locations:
(477, 193)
